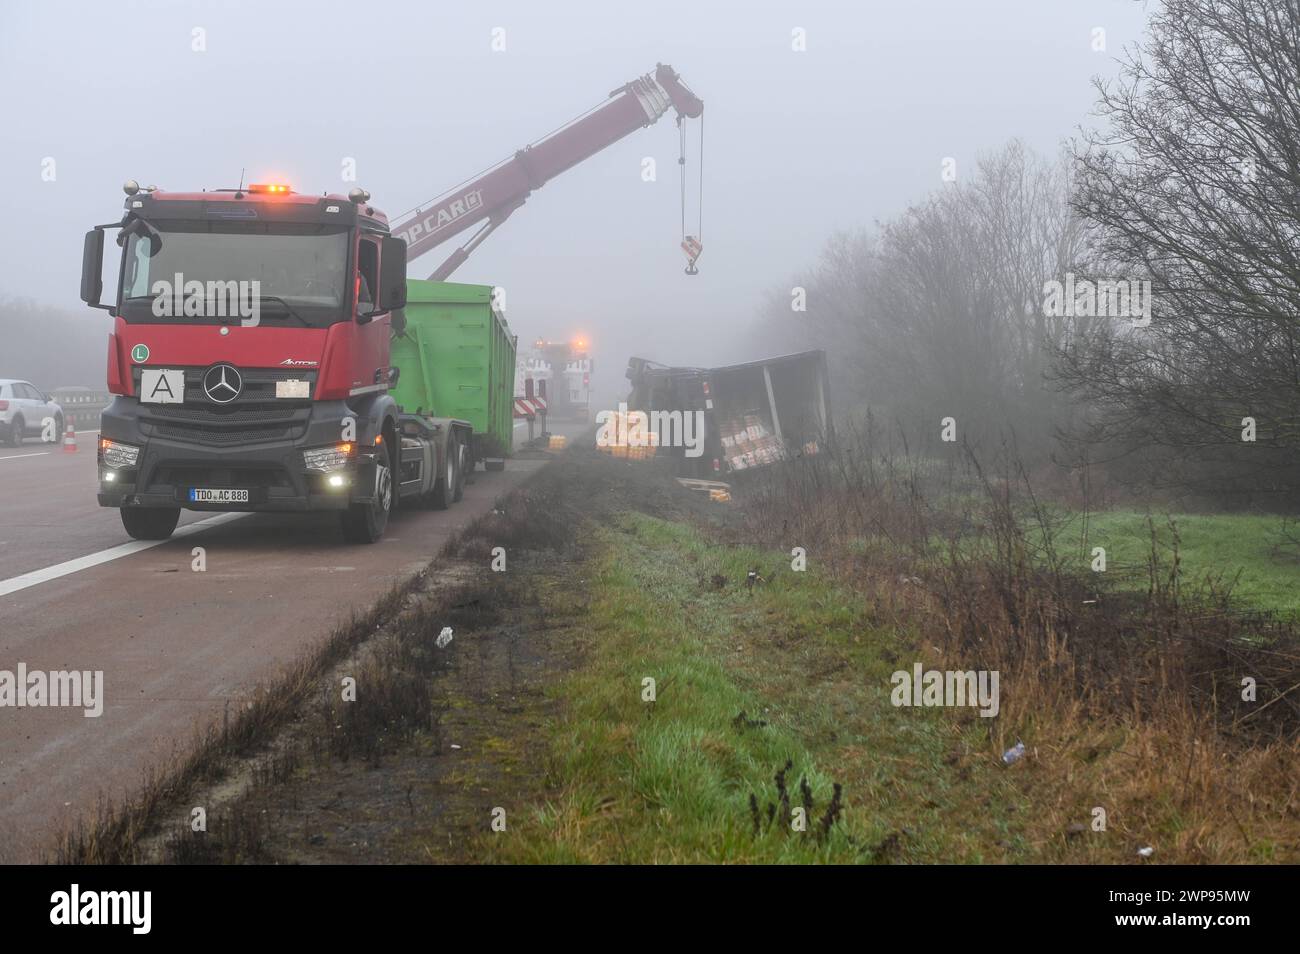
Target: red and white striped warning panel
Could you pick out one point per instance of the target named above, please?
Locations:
(529, 407)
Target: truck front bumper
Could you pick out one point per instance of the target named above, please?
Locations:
(173, 461)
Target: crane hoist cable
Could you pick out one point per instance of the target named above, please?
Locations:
(699, 205)
(692, 245)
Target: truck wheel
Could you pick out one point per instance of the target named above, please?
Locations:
(149, 523)
(443, 494)
(462, 452)
(366, 522)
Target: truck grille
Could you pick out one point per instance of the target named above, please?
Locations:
(219, 436)
(256, 415)
(202, 415)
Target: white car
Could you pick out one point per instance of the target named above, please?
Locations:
(25, 410)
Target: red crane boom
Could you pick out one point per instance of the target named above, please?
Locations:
(489, 199)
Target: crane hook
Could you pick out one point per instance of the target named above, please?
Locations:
(692, 247)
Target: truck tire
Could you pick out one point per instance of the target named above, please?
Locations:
(462, 454)
(149, 523)
(366, 522)
(443, 494)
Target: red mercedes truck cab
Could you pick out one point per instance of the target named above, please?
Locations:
(249, 356)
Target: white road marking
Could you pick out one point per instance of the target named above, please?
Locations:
(16, 456)
(36, 577)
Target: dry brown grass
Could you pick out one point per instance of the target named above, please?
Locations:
(1127, 702)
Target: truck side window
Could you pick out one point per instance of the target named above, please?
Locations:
(137, 269)
(367, 270)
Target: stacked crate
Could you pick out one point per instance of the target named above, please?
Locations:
(618, 424)
(747, 442)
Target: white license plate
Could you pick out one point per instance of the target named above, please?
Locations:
(161, 386)
(217, 495)
(292, 389)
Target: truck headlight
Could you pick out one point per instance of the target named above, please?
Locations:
(326, 459)
(116, 455)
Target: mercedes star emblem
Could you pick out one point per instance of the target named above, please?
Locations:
(222, 384)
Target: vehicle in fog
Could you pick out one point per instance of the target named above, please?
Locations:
(560, 376)
(754, 414)
(27, 411)
(278, 401)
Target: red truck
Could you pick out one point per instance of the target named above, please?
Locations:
(270, 397)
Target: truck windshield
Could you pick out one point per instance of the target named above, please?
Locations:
(215, 272)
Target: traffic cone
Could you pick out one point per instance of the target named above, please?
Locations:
(70, 440)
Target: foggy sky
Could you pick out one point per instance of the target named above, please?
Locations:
(797, 144)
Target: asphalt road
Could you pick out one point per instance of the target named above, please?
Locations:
(177, 647)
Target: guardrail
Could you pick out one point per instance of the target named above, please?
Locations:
(81, 406)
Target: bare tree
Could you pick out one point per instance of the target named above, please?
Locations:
(939, 313)
(1193, 181)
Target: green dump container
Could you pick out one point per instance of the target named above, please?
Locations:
(457, 360)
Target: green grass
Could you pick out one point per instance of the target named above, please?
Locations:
(670, 780)
(1231, 548)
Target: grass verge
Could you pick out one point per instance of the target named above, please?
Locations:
(767, 699)
(1249, 555)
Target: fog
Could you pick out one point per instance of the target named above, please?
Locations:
(797, 144)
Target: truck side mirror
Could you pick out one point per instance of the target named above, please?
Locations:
(392, 274)
(92, 266)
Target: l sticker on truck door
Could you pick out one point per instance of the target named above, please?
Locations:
(158, 386)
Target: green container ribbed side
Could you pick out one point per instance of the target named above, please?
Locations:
(457, 359)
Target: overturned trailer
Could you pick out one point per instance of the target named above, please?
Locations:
(752, 415)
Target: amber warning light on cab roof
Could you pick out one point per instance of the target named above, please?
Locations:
(270, 188)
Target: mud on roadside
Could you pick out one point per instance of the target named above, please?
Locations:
(410, 771)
